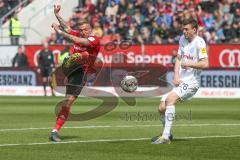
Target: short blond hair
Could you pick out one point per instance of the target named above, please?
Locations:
(82, 21)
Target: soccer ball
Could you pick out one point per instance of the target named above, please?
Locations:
(129, 83)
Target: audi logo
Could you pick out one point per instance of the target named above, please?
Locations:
(230, 58)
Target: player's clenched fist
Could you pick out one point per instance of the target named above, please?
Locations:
(56, 9)
(55, 26)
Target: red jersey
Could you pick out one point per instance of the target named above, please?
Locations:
(92, 50)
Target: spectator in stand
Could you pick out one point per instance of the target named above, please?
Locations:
(122, 7)
(161, 33)
(133, 34)
(111, 12)
(130, 10)
(175, 33)
(15, 30)
(81, 3)
(101, 6)
(209, 6)
(235, 33)
(64, 53)
(227, 31)
(12, 3)
(146, 36)
(208, 20)
(89, 8)
(53, 39)
(20, 59)
(117, 16)
(3, 8)
(97, 30)
(138, 19)
(214, 38)
(203, 33)
(122, 30)
(236, 18)
(234, 6)
(174, 57)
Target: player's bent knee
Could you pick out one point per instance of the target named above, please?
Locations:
(162, 107)
(162, 110)
(71, 98)
(172, 99)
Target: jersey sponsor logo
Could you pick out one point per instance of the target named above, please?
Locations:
(187, 56)
(91, 39)
(80, 48)
(230, 58)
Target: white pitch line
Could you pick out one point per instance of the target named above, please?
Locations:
(111, 140)
(118, 126)
(204, 137)
(71, 142)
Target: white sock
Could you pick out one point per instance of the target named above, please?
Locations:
(54, 130)
(169, 117)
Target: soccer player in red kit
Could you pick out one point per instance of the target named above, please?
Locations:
(75, 67)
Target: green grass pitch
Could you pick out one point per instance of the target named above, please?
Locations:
(205, 129)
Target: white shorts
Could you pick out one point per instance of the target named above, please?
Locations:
(185, 91)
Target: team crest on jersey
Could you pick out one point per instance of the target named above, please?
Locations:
(191, 50)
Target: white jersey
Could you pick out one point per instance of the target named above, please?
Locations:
(191, 52)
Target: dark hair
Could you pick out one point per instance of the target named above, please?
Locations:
(191, 21)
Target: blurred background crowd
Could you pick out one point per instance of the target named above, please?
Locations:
(136, 21)
(157, 21)
(151, 21)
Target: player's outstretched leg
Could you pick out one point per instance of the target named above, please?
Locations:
(161, 110)
(61, 118)
(169, 117)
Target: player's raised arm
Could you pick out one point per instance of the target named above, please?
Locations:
(73, 38)
(64, 25)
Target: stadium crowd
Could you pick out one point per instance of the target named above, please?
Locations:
(157, 21)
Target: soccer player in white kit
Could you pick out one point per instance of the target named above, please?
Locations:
(191, 59)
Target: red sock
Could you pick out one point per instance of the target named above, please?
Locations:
(62, 117)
